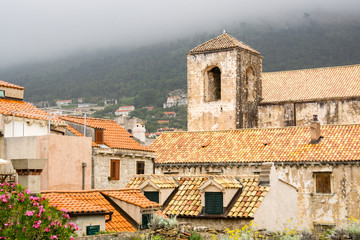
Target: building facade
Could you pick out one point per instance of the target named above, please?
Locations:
(228, 90)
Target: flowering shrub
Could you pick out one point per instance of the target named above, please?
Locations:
(23, 216)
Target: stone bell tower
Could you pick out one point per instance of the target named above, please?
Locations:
(224, 85)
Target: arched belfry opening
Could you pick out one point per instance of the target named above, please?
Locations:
(213, 84)
(250, 82)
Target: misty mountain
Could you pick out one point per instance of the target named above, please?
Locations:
(143, 76)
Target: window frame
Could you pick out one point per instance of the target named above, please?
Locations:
(137, 167)
(323, 182)
(214, 203)
(114, 169)
(152, 196)
(2, 93)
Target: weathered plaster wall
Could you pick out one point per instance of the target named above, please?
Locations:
(128, 159)
(13, 93)
(20, 127)
(218, 114)
(279, 207)
(83, 221)
(65, 154)
(329, 112)
(132, 210)
(332, 208)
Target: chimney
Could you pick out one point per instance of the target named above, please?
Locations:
(315, 131)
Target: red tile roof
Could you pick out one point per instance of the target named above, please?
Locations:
(339, 143)
(115, 136)
(311, 84)
(133, 196)
(90, 200)
(10, 85)
(250, 199)
(161, 181)
(187, 199)
(224, 41)
(77, 133)
(24, 110)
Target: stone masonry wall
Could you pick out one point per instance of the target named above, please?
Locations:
(218, 114)
(128, 159)
(329, 112)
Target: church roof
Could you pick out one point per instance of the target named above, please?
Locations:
(291, 144)
(311, 84)
(224, 41)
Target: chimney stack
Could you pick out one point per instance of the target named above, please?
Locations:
(315, 130)
(265, 173)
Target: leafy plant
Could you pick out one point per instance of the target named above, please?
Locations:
(24, 216)
(158, 221)
(196, 236)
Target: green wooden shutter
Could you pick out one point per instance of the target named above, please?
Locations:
(152, 196)
(214, 203)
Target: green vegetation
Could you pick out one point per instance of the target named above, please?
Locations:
(23, 216)
(144, 76)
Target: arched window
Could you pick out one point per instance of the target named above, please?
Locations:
(214, 84)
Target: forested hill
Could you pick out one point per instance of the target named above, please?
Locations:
(143, 76)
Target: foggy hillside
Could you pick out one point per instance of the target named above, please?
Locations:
(143, 76)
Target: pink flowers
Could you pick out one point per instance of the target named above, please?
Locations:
(54, 237)
(29, 213)
(37, 224)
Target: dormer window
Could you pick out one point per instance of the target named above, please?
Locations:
(99, 136)
(214, 203)
(2, 93)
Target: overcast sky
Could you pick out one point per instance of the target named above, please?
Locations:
(39, 29)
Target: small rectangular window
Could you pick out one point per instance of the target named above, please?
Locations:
(140, 167)
(99, 136)
(115, 170)
(152, 196)
(323, 184)
(214, 203)
(2, 93)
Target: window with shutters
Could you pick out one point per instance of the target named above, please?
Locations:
(140, 167)
(152, 196)
(214, 203)
(115, 170)
(323, 183)
(2, 93)
(99, 136)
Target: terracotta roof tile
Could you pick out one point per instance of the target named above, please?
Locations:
(90, 200)
(24, 110)
(311, 84)
(160, 181)
(133, 196)
(115, 136)
(224, 41)
(339, 143)
(250, 204)
(10, 85)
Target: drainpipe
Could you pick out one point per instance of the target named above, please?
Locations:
(85, 125)
(83, 175)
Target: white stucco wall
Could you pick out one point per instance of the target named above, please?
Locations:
(22, 128)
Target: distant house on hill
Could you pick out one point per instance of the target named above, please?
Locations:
(169, 114)
(63, 102)
(116, 154)
(124, 110)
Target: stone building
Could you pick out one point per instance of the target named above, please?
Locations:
(228, 90)
(223, 201)
(116, 156)
(320, 161)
